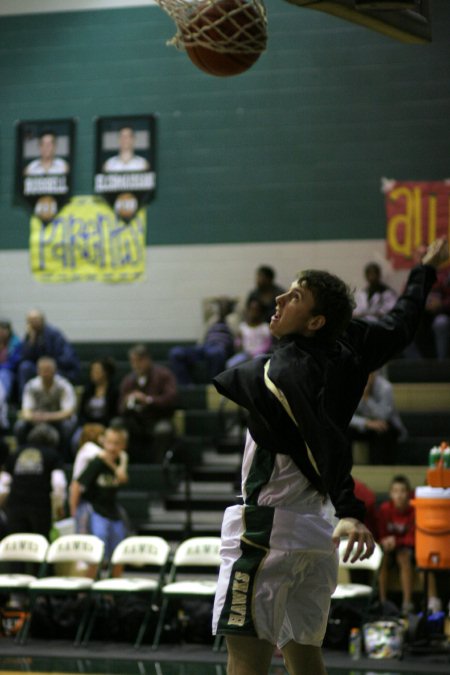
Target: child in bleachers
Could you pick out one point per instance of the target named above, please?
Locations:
(396, 524)
(396, 527)
(98, 485)
(90, 446)
(253, 336)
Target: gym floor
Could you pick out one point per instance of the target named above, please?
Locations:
(59, 656)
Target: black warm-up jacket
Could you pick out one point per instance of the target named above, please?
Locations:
(323, 384)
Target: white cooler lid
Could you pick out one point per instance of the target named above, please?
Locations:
(428, 492)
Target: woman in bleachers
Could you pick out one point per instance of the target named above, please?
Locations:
(98, 404)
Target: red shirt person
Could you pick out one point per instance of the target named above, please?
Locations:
(396, 525)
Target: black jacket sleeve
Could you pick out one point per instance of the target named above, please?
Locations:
(379, 341)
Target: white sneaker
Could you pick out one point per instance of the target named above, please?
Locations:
(434, 604)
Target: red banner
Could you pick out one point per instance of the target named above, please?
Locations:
(417, 213)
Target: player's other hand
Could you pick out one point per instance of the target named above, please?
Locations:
(436, 253)
(360, 543)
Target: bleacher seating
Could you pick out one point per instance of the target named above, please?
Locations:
(187, 496)
(156, 499)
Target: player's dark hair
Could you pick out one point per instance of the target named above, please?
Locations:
(332, 298)
(403, 480)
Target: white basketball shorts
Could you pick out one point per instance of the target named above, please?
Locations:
(278, 572)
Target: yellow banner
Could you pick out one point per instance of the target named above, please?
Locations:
(87, 242)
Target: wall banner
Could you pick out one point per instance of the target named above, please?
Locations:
(417, 213)
(86, 241)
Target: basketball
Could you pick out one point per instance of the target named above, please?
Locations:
(236, 31)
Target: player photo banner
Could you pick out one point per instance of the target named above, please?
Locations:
(87, 242)
(45, 164)
(417, 213)
(125, 162)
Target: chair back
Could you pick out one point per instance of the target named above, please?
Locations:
(373, 563)
(198, 552)
(140, 551)
(24, 547)
(76, 548)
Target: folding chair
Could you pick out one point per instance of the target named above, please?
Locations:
(349, 591)
(199, 557)
(151, 553)
(70, 548)
(28, 550)
(22, 548)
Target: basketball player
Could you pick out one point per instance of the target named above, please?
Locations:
(126, 160)
(47, 164)
(279, 560)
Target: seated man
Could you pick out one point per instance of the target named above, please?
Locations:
(48, 398)
(148, 396)
(376, 299)
(42, 339)
(433, 338)
(217, 346)
(377, 421)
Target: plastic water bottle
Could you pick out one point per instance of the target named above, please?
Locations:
(355, 644)
(434, 456)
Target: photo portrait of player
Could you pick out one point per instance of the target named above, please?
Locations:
(48, 163)
(126, 159)
(125, 162)
(44, 161)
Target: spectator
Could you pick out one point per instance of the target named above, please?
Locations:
(10, 355)
(42, 339)
(49, 398)
(91, 441)
(376, 299)
(30, 478)
(266, 290)
(98, 485)
(377, 421)
(100, 398)
(216, 348)
(253, 337)
(4, 423)
(148, 397)
(436, 323)
(396, 524)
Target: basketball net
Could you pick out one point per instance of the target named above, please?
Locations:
(235, 26)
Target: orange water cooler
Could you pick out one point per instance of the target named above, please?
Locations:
(432, 506)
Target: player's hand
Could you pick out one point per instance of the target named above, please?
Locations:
(436, 253)
(360, 543)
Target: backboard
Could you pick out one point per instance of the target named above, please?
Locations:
(404, 20)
